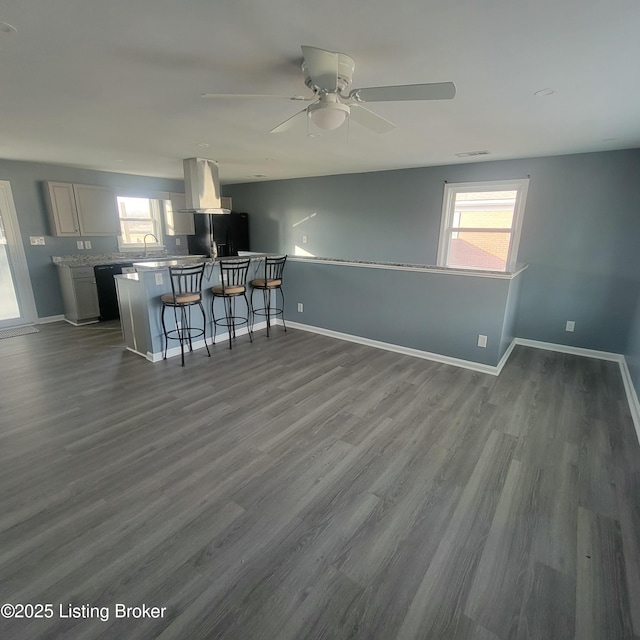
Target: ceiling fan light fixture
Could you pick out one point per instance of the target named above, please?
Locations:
(328, 116)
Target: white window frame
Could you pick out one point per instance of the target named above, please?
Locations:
(158, 214)
(521, 186)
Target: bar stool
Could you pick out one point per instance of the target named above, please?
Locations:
(272, 281)
(233, 285)
(186, 292)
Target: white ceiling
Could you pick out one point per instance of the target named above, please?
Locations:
(115, 84)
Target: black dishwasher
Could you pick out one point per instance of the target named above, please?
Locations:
(106, 285)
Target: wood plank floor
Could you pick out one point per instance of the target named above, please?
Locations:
(302, 487)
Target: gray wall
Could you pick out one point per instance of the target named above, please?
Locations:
(580, 234)
(435, 312)
(26, 184)
(632, 354)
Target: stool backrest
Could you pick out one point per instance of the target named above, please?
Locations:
(234, 272)
(273, 267)
(187, 279)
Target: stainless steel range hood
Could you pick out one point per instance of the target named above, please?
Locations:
(202, 187)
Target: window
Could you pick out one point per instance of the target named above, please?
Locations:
(481, 224)
(139, 217)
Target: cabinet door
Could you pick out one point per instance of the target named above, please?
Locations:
(176, 223)
(86, 298)
(62, 210)
(97, 210)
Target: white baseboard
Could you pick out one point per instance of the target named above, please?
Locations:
(172, 352)
(575, 351)
(407, 351)
(48, 319)
(505, 357)
(632, 396)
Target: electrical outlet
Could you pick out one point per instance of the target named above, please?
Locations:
(36, 240)
(571, 325)
(178, 242)
(158, 278)
(305, 239)
(87, 244)
(300, 307)
(482, 341)
(79, 244)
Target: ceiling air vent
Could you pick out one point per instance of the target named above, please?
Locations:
(470, 154)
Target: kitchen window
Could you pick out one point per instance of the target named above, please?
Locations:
(481, 223)
(139, 217)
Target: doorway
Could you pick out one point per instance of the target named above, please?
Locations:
(17, 306)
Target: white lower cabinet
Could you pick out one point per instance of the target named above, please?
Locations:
(80, 294)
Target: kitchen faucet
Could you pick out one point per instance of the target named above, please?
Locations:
(146, 252)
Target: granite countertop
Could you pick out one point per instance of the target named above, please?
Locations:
(412, 266)
(92, 259)
(187, 260)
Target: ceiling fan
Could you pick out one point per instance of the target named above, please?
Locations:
(328, 74)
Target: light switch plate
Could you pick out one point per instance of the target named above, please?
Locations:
(571, 325)
(158, 278)
(178, 242)
(482, 341)
(304, 239)
(87, 244)
(36, 240)
(80, 244)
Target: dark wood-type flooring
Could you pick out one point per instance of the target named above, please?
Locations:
(303, 487)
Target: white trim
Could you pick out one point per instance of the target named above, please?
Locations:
(392, 266)
(49, 319)
(407, 351)
(576, 351)
(18, 261)
(632, 396)
(505, 357)
(520, 185)
(80, 324)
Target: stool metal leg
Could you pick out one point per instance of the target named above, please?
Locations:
(180, 330)
(282, 294)
(204, 328)
(164, 331)
(249, 316)
(266, 296)
(229, 314)
(213, 316)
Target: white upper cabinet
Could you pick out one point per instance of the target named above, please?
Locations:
(81, 210)
(62, 210)
(97, 210)
(176, 223)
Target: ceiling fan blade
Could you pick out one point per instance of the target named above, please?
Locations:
(322, 67)
(288, 123)
(432, 91)
(369, 119)
(253, 95)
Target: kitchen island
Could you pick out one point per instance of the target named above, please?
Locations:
(139, 300)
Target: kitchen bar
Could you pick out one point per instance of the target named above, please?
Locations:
(139, 299)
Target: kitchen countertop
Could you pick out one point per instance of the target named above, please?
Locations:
(187, 260)
(92, 259)
(403, 266)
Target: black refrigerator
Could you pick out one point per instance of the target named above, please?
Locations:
(230, 231)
